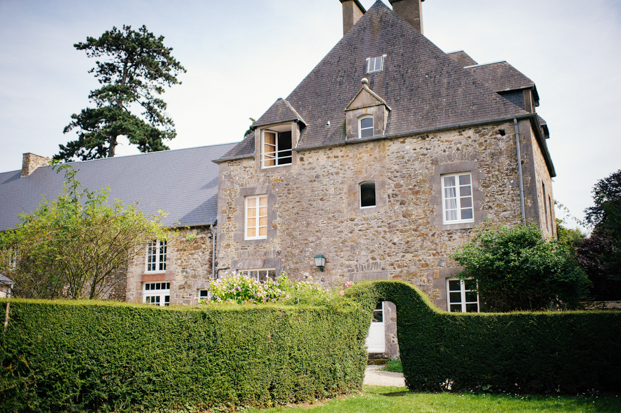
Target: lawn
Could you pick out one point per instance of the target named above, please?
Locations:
(396, 399)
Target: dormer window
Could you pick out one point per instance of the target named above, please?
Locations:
(375, 64)
(276, 146)
(365, 127)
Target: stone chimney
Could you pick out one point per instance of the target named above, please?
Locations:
(30, 162)
(411, 11)
(352, 12)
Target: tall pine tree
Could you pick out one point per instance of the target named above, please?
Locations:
(134, 69)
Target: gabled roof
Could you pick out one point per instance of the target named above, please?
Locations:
(365, 98)
(501, 76)
(182, 182)
(281, 111)
(462, 58)
(424, 87)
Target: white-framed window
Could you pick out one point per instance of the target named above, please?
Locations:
(156, 293)
(262, 274)
(457, 204)
(367, 195)
(256, 217)
(462, 296)
(365, 127)
(375, 64)
(276, 148)
(156, 256)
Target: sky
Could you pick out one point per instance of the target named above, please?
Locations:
(242, 55)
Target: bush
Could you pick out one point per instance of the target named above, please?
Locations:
(517, 269)
(529, 352)
(101, 356)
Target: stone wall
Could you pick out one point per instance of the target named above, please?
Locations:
(314, 207)
(188, 267)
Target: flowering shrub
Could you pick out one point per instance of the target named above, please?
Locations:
(240, 289)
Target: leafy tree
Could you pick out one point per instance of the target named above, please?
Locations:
(249, 131)
(76, 246)
(135, 68)
(600, 254)
(516, 268)
(567, 236)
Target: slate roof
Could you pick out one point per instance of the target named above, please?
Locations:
(462, 58)
(182, 182)
(5, 280)
(280, 111)
(501, 76)
(425, 88)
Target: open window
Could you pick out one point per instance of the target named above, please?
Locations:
(375, 64)
(156, 256)
(367, 195)
(276, 146)
(365, 127)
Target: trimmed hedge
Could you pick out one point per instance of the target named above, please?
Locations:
(85, 356)
(96, 356)
(522, 352)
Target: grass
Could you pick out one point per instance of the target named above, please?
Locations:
(376, 399)
(394, 366)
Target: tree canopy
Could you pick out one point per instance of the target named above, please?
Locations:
(600, 254)
(76, 246)
(516, 268)
(134, 69)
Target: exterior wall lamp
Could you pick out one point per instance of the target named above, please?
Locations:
(320, 261)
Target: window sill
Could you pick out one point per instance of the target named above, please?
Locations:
(457, 225)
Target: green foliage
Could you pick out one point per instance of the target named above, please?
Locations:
(569, 237)
(74, 246)
(135, 69)
(100, 356)
(394, 366)
(241, 289)
(536, 353)
(517, 269)
(249, 131)
(600, 254)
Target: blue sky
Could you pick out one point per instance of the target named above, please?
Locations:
(243, 55)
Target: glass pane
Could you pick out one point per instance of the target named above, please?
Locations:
(263, 231)
(470, 284)
(252, 202)
(203, 294)
(464, 179)
(252, 222)
(450, 192)
(454, 285)
(156, 299)
(252, 212)
(168, 286)
(263, 221)
(263, 201)
(269, 138)
(378, 316)
(263, 211)
(366, 123)
(147, 287)
(466, 202)
(455, 297)
(252, 232)
(451, 215)
(449, 181)
(157, 286)
(367, 194)
(272, 274)
(471, 297)
(465, 190)
(366, 133)
(466, 213)
(472, 308)
(455, 308)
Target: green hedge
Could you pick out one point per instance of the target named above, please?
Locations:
(85, 356)
(511, 352)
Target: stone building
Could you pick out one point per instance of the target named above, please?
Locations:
(383, 160)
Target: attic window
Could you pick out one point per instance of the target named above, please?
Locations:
(375, 64)
(365, 127)
(276, 147)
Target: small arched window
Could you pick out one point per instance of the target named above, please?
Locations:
(367, 195)
(365, 127)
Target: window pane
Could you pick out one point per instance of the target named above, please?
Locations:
(466, 202)
(454, 285)
(252, 202)
(451, 215)
(470, 285)
(471, 297)
(252, 222)
(263, 211)
(252, 232)
(466, 213)
(455, 297)
(464, 179)
(449, 181)
(263, 231)
(263, 221)
(263, 201)
(465, 190)
(366, 123)
(378, 316)
(455, 308)
(367, 194)
(472, 308)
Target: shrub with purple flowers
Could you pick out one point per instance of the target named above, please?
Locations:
(241, 289)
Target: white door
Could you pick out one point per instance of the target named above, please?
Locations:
(376, 340)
